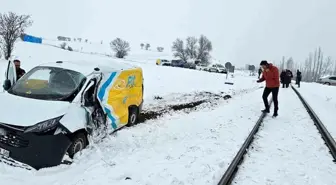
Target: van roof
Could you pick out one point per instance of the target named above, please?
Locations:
(87, 67)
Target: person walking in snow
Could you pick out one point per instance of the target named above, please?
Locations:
(298, 77)
(271, 76)
(282, 78)
(288, 77)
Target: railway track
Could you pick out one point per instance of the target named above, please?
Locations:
(233, 168)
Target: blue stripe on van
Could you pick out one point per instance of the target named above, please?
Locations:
(102, 90)
(101, 95)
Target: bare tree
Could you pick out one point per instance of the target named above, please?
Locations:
(148, 46)
(191, 47)
(204, 49)
(121, 47)
(290, 64)
(327, 66)
(12, 26)
(178, 49)
(316, 66)
(282, 63)
(142, 45)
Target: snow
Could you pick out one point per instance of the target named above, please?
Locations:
(186, 147)
(96, 48)
(288, 149)
(181, 148)
(159, 80)
(322, 98)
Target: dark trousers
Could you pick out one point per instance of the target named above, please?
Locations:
(287, 85)
(274, 91)
(298, 83)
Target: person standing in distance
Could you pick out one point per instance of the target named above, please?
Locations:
(271, 76)
(19, 71)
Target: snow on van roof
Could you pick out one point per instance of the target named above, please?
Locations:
(87, 67)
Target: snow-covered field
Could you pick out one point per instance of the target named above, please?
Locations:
(194, 146)
(102, 49)
(322, 99)
(177, 147)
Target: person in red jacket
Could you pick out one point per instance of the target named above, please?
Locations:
(271, 76)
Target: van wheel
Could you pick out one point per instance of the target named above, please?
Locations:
(79, 142)
(133, 114)
(326, 83)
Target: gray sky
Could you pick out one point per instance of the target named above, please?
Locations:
(242, 31)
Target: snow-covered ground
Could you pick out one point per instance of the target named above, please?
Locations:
(181, 148)
(288, 149)
(159, 80)
(102, 49)
(193, 147)
(187, 148)
(322, 99)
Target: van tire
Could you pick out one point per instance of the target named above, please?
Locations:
(79, 142)
(326, 83)
(133, 115)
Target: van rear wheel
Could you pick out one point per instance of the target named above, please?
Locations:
(79, 142)
(133, 114)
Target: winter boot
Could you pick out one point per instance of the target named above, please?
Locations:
(265, 111)
(275, 114)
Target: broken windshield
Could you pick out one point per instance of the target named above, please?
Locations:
(49, 83)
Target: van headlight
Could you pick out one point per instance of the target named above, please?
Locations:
(44, 126)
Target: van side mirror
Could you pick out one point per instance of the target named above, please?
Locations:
(7, 84)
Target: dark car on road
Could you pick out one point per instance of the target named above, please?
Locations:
(189, 65)
(177, 63)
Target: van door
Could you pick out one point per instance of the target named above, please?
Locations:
(10, 75)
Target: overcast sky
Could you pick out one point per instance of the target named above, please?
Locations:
(242, 31)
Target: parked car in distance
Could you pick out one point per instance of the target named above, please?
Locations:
(202, 67)
(189, 65)
(163, 62)
(217, 68)
(178, 63)
(328, 80)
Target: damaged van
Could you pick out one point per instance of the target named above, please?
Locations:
(53, 109)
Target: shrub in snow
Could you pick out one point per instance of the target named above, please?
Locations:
(121, 47)
(70, 48)
(147, 46)
(63, 45)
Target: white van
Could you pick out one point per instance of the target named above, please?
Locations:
(53, 108)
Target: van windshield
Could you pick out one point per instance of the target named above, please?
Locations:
(48, 83)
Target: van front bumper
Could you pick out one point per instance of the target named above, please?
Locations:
(35, 150)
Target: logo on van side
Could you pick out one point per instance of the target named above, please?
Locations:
(131, 81)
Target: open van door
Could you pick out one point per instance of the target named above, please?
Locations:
(10, 76)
